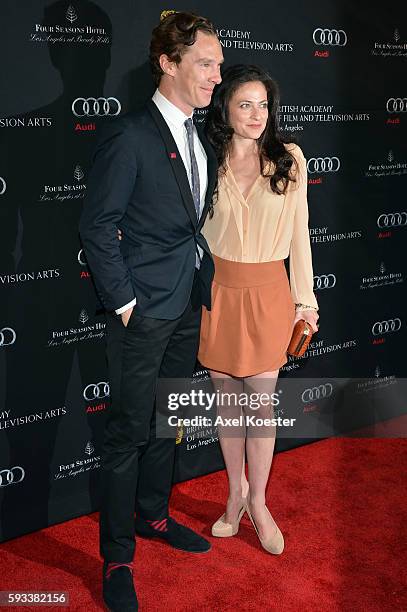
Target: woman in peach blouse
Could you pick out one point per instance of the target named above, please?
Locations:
(260, 217)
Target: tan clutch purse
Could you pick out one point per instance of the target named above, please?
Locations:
(302, 334)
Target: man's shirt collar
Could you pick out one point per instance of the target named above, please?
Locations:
(169, 111)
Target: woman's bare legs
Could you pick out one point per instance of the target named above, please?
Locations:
(260, 443)
(232, 442)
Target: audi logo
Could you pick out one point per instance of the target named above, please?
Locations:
(392, 219)
(384, 327)
(98, 391)
(12, 476)
(324, 281)
(96, 107)
(81, 258)
(323, 164)
(3, 185)
(7, 336)
(316, 393)
(396, 105)
(333, 38)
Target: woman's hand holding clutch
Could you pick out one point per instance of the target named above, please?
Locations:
(305, 324)
(310, 316)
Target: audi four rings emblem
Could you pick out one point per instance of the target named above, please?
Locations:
(3, 185)
(96, 107)
(324, 281)
(392, 219)
(396, 105)
(7, 336)
(81, 258)
(384, 327)
(323, 164)
(323, 36)
(13, 476)
(98, 391)
(316, 393)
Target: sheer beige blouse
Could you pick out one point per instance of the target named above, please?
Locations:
(265, 227)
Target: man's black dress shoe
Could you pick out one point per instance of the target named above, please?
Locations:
(119, 593)
(176, 535)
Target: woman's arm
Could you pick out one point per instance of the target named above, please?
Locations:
(301, 271)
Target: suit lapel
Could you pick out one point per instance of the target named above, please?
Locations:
(175, 160)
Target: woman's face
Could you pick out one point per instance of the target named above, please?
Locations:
(248, 110)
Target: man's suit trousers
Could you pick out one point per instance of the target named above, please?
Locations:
(137, 467)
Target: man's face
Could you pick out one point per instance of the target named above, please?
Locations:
(194, 78)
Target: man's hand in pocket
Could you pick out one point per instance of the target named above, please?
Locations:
(126, 316)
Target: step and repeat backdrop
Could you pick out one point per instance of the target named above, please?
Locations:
(73, 64)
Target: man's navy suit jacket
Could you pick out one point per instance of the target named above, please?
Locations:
(138, 183)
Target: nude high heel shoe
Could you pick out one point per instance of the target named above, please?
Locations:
(221, 529)
(273, 545)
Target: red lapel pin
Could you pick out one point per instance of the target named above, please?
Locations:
(173, 155)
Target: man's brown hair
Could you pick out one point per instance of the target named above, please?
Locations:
(173, 35)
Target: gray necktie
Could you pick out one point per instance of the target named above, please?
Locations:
(196, 191)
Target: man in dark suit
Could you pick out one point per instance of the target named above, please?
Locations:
(153, 178)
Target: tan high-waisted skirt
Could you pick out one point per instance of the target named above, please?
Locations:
(250, 325)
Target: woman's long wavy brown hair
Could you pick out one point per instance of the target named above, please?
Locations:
(271, 142)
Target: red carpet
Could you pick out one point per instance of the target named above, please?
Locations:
(340, 504)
